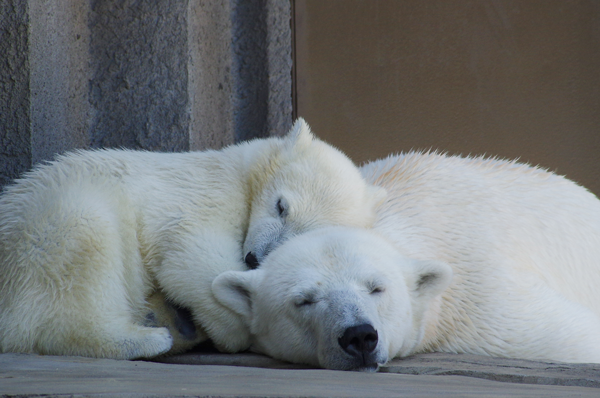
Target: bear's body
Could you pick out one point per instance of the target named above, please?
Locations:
(467, 256)
(86, 239)
(530, 235)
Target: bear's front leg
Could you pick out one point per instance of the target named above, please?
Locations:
(186, 274)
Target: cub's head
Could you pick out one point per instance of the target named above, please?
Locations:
(338, 297)
(303, 184)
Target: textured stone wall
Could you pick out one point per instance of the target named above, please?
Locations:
(168, 75)
(279, 62)
(210, 79)
(15, 148)
(262, 66)
(58, 39)
(138, 92)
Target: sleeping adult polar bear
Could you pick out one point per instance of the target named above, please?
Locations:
(468, 256)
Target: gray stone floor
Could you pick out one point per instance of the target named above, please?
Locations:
(248, 375)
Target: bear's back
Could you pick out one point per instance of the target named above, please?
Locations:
(474, 213)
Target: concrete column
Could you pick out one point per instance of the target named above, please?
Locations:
(59, 74)
(139, 58)
(262, 62)
(279, 62)
(168, 75)
(210, 80)
(15, 148)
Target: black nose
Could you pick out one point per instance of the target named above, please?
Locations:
(251, 261)
(359, 340)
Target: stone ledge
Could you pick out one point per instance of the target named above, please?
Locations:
(516, 371)
(498, 369)
(27, 375)
(244, 359)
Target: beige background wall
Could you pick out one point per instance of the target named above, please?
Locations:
(516, 79)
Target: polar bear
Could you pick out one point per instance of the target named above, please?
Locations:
(85, 239)
(467, 255)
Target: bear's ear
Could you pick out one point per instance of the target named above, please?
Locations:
(299, 135)
(234, 289)
(430, 277)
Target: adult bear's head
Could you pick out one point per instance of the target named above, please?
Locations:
(338, 298)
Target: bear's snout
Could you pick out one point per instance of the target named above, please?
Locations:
(360, 341)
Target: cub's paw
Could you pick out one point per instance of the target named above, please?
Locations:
(178, 320)
(150, 342)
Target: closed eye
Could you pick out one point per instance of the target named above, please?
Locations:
(375, 287)
(280, 207)
(305, 301)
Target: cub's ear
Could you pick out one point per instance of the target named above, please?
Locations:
(430, 277)
(299, 135)
(234, 290)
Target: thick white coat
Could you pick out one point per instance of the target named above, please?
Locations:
(524, 245)
(468, 255)
(86, 239)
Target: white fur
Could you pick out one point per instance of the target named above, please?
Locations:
(523, 246)
(86, 239)
(315, 286)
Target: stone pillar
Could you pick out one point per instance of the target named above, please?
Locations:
(279, 62)
(58, 77)
(139, 58)
(15, 141)
(262, 62)
(210, 78)
(167, 75)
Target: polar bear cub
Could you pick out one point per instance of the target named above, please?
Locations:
(86, 239)
(467, 256)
